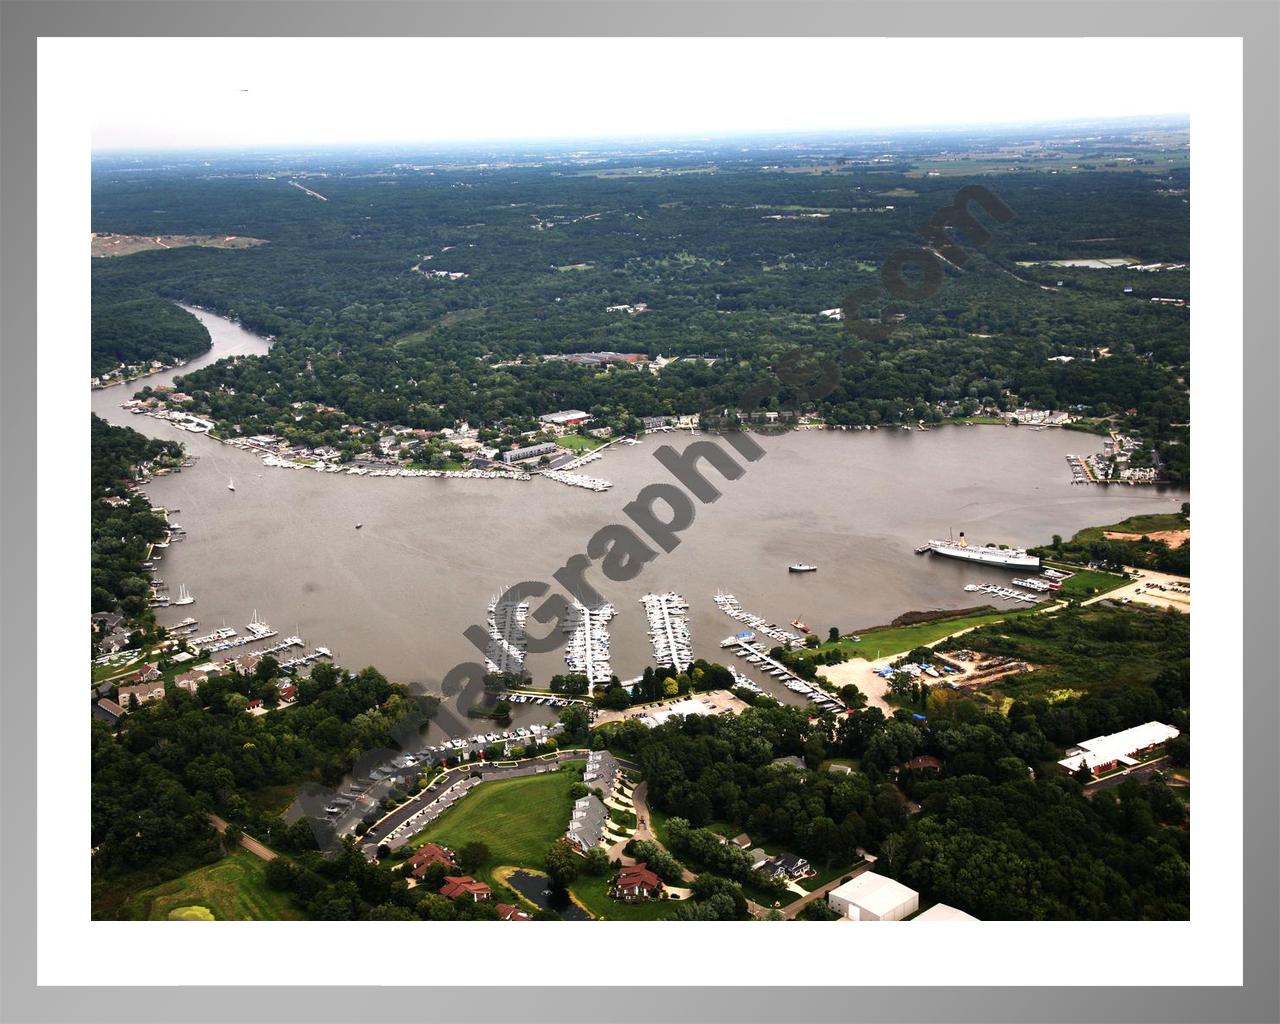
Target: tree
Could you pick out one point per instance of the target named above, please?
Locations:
(562, 863)
(596, 861)
(473, 855)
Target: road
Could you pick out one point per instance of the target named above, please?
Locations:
(248, 842)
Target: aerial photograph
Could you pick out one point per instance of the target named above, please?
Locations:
(728, 523)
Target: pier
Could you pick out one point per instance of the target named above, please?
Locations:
(730, 605)
(759, 657)
(588, 648)
(669, 629)
(590, 483)
(507, 640)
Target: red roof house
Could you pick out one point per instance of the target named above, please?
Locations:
(636, 882)
(429, 853)
(461, 886)
(506, 912)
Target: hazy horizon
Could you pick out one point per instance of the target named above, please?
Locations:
(307, 93)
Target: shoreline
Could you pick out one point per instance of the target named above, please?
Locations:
(292, 459)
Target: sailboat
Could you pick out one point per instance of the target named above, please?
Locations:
(184, 596)
(230, 484)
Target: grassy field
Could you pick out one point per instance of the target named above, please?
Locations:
(1146, 524)
(593, 893)
(233, 889)
(1089, 582)
(517, 819)
(579, 443)
(880, 643)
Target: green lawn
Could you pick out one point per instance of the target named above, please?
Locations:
(579, 443)
(517, 819)
(880, 643)
(1088, 582)
(593, 893)
(233, 889)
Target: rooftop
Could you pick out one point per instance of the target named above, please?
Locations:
(874, 893)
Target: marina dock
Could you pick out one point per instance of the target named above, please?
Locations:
(588, 649)
(757, 656)
(669, 629)
(507, 640)
(730, 605)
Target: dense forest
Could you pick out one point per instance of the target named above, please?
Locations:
(123, 522)
(134, 328)
(733, 264)
(176, 759)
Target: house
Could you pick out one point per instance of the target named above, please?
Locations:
(923, 763)
(506, 912)
(635, 883)
(872, 897)
(254, 704)
(742, 842)
(424, 856)
(190, 681)
(288, 692)
(759, 858)
(246, 663)
(149, 673)
(143, 692)
(602, 771)
(109, 621)
(117, 641)
(461, 886)
(942, 912)
(1118, 750)
(108, 710)
(788, 762)
(586, 826)
(786, 866)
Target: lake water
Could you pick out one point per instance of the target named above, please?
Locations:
(535, 889)
(399, 592)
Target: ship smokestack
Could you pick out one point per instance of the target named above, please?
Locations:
(963, 543)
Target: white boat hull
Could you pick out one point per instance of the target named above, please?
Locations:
(1013, 558)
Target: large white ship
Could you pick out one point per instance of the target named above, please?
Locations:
(1014, 558)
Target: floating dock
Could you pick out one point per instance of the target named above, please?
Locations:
(669, 629)
(588, 648)
(730, 605)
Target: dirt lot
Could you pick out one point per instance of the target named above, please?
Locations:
(127, 245)
(1174, 538)
(717, 702)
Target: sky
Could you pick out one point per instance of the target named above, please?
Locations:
(255, 93)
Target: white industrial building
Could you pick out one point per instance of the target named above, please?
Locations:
(942, 912)
(872, 897)
(1120, 749)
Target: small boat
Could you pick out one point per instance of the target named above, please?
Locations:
(802, 567)
(184, 596)
(359, 525)
(230, 484)
(800, 625)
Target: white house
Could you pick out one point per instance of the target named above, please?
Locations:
(942, 912)
(872, 897)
